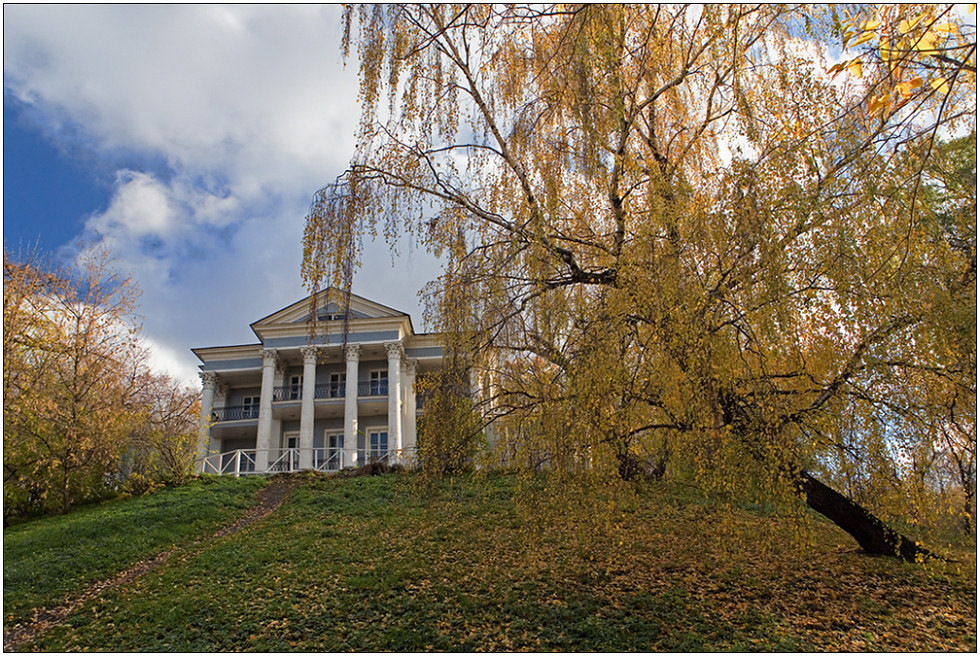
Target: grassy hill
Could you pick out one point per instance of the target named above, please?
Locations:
(372, 564)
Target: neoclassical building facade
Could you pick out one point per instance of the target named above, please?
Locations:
(322, 395)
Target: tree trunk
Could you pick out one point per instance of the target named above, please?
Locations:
(969, 492)
(65, 496)
(874, 536)
(629, 465)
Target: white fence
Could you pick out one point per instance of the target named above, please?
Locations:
(244, 462)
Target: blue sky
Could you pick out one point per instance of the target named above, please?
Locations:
(36, 213)
(189, 140)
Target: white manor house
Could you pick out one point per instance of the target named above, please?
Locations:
(294, 402)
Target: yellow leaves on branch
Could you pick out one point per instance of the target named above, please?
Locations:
(918, 54)
(905, 88)
(940, 85)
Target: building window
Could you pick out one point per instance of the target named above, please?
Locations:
(379, 441)
(377, 447)
(378, 383)
(250, 407)
(328, 451)
(289, 455)
(337, 386)
(295, 389)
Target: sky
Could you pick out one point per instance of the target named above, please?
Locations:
(189, 140)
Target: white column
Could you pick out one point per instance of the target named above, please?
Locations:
(408, 427)
(221, 401)
(263, 438)
(307, 416)
(395, 354)
(352, 353)
(209, 381)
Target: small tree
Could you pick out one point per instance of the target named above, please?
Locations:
(163, 441)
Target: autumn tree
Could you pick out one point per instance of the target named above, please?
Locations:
(674, 239)
(163, 438)
(76, 394)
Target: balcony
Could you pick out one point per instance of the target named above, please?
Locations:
(330, 391)
(235, 413)
(287, 393)
(373, 388)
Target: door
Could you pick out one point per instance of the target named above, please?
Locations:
(289, 460)
(334, 452)
(337, 386)
(378, 446)
(250, 407)
(295, 388)
(378, 383)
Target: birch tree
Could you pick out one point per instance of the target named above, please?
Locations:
(676, 238)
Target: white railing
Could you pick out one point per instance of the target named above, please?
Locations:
(233, 463)
(328, 459)
(244, 462)
(365, 456)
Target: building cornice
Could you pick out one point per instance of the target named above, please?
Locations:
(277, 331)
(238, 351)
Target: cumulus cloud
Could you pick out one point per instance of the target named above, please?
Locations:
(220, 123)
(256, 93)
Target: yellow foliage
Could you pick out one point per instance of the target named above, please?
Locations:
(672, 246)
(77, 395)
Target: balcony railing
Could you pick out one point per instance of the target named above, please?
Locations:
(235, 413)
(373, 388)
(330, 391)
(287, 393)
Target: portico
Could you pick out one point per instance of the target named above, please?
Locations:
(334, 400)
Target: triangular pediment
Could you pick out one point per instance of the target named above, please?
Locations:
(330, 306)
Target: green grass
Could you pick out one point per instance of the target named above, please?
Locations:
(371, 564)
(45, 560)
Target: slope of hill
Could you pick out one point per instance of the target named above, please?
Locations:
(497, 563)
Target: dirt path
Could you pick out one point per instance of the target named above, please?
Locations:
(270, 497)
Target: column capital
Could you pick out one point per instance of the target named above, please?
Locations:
(352, 352)
(309, 354)
(395, 350)
(209, 379)
(410, 365)
(270, 357)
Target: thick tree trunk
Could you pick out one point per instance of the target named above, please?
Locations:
(630, 468)
(874, 536)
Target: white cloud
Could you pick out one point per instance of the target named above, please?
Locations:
(164, 359)
(220, 122)
(141, 206)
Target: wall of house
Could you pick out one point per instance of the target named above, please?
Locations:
(322, 426)
(365, 367)
(233, 444)
(323, 372)
(236, 395)
(241, 363)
